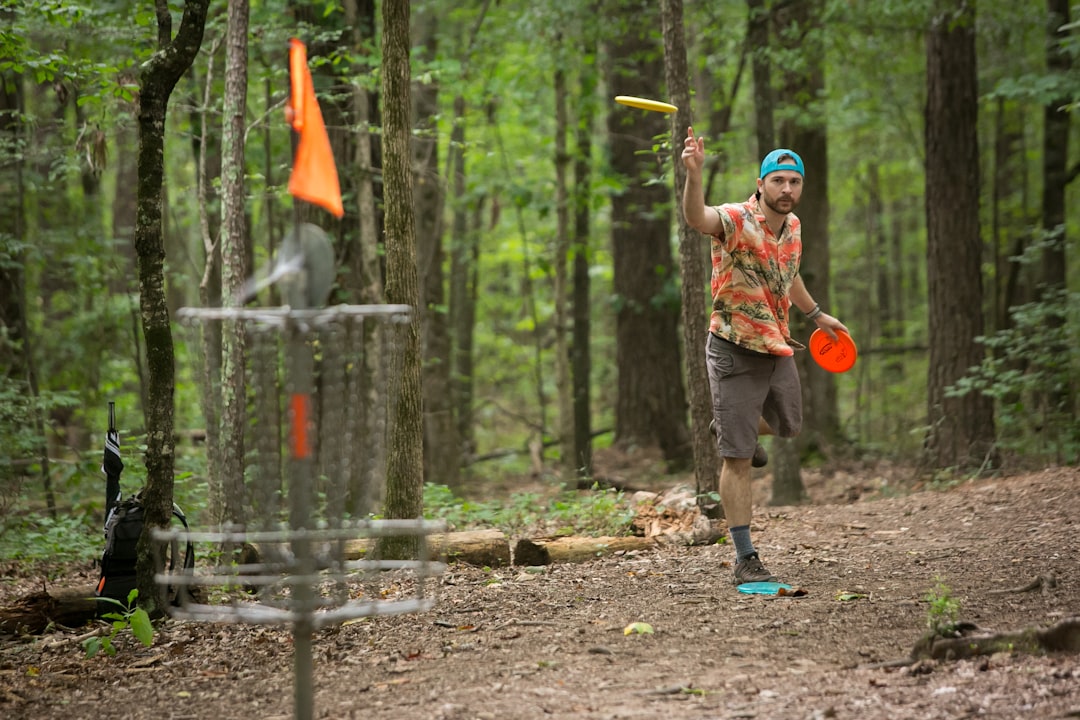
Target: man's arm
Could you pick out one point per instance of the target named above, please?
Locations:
(698, 216)
(802, 299)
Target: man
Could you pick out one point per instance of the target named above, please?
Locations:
(756, 249)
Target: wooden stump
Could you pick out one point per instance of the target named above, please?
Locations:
(545, 551)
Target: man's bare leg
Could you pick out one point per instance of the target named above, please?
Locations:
(736, 495)
(735, 491)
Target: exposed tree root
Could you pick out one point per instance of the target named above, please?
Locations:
(1043, 582)
(1062, 637)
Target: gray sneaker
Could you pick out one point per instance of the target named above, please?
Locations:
(750, 569)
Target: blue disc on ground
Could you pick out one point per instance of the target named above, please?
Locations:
(763, 588)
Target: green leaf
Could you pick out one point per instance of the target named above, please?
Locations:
(92, 646)
(141, 627)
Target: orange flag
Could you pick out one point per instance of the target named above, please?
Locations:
(314, 175)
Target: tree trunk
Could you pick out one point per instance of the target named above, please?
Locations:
(799, 27)
(364, 283)
(695, 319)
(757, 37)
(159, 76)
(467, 227)
(122, 281)
(563, 386)
(464, 249)
(16, 357)
(12, 275)
(405, 460)
(651, 406)
(234, 252)
(580, 355)
(961, 433)
(1055, 154)
(1008, 205)
(442, 451)
(1056, 120)
(206, 147)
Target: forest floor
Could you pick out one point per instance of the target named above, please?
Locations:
(520, 644)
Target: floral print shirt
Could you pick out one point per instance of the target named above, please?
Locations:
(752, 272)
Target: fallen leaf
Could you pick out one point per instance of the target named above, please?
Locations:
(845, 596)
(638, 628)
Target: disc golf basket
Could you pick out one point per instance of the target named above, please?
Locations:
(319, 407)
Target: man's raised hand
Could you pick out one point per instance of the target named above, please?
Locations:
(693, 154)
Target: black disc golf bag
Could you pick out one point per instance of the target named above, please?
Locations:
(122, 530)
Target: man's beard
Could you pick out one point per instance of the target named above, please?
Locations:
(774, 205)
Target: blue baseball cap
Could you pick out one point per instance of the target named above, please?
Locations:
(772, 163)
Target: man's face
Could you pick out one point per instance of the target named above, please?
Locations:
(781, 190)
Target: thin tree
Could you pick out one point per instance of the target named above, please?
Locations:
(465, 229)
(961, 429)
(207, 150)
(234, 252)
(157, 80)
(1056, 121)
(691, 264)
(364, 282)
(15, 340)
(802, 35)
(580, 355)
(565, 389)
(442, 451)
(464, 256)
(405, 459)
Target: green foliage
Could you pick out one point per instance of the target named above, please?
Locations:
(598, 512)
(944, 610)
(1030, 373)
(20, 418)
(71, 537)
(79, 63)
(129, 617)
(595, 513)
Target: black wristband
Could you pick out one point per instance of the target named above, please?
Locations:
(814, 313)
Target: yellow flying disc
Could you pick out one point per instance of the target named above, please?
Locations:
(643, 104)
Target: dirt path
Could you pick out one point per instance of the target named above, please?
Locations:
(522, 645)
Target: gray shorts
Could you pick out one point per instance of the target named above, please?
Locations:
(747, 385)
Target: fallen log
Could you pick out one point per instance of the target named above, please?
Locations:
(574, 549)
(1062, 637)
(33, 614)
(483, 548)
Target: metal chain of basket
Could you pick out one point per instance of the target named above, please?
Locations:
(320, 393)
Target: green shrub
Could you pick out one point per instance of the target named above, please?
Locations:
(1030, 373)
(571, 512)
(67, 538)
(944, 610)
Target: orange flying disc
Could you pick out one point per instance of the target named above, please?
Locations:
(834, 355)
(643, 104)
